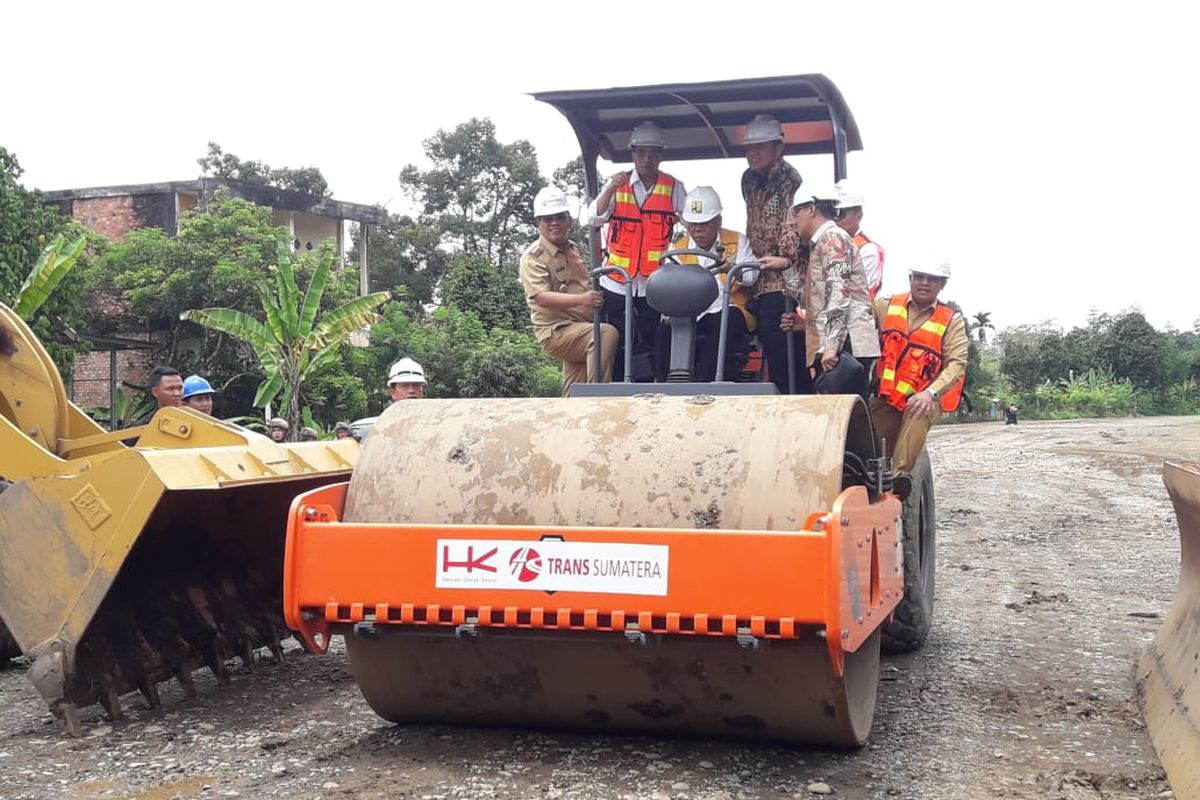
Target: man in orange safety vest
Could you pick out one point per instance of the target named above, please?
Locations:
(922, 366)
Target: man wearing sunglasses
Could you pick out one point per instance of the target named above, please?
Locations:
(641, 207)
(560, 295)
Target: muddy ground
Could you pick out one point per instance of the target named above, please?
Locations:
(1058, 554)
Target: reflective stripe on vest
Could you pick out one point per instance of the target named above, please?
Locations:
(639, 235)
(861, 239)
(738, 296)
(910, 362)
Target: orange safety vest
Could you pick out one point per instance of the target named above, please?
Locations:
(910, 361)
(739, 296)
(861, 239)
(638, 235)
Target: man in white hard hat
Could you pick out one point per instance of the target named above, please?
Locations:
(923, 365)
(641, 207)
(702, 223)
(768, 185)
(837, 313)
(849, 218)
(560, 295)
(406, 380)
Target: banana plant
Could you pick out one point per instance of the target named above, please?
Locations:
(292, 344)
(52, 266)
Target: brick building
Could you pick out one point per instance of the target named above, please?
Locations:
(114, 211)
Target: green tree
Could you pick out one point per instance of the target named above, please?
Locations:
(1133, 349)
(54, 264)
(479, 193)
(983, 323)
(226, 165)
(492, 293)
(404, 253)
(27, 224)
(292, 345)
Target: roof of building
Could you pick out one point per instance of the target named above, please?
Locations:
(281, 199)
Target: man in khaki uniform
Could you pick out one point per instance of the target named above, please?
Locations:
(908, 401)
(560, 296)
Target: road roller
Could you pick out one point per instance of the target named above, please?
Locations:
(1168, 677)
(694, 558)
(125, 566)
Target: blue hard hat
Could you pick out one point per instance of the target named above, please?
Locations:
(194, 385)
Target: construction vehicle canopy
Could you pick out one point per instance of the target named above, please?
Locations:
(124, 566)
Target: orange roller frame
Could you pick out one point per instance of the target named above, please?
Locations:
(841, 575)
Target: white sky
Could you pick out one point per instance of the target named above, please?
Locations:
(1029, 142)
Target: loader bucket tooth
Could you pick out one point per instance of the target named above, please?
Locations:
(1168, 677)
(648, 563)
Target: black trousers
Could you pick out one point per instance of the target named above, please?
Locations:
(645, 335)
(774, 345)
(708, 333)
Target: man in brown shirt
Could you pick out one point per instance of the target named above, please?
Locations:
(768, 185)
(906, 430)
(560, 295)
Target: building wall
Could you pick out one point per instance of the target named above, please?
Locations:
(89, 380)
(113, 217)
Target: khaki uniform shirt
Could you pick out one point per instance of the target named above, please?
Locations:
(954, 343)
(547, 268)
(837, 302)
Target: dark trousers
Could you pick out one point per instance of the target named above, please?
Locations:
(645, 334)
(774, 345)
(708, 333)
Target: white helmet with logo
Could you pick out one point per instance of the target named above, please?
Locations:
(550, 201)
(763, 128)
(702, 205)
(406, 371)
(848, 195)
(939, 269)
(647, 135)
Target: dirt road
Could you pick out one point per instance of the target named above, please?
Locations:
(1057, 552)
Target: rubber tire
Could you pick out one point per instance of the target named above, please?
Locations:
(909, 626)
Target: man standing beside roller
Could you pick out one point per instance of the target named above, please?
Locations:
(641, 207)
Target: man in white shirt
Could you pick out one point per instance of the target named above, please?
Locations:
(640, 207)
(849, 208)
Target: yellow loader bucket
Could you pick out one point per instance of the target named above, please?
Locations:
(1169, 673)
(121, 567)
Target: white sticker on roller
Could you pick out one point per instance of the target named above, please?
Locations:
(552, 566)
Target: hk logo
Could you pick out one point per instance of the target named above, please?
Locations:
(474, 561)
(525, 564)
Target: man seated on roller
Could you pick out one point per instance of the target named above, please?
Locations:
(702, 221)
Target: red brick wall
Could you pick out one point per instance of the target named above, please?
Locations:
(89, 377)
(112, 217)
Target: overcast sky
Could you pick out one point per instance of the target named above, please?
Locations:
(1049, 150)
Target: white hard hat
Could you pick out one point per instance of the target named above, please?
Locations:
(550, 201)
(647, 135)
(406, 371)
(763, 128)
(848, 195)
(811, 192)
(939, 269)
(702, 204)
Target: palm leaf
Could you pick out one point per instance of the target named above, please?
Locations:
(274, 317)
(321, 358)
(236, 324)
(51, 267)
(312, 297)
(288, 294)
(268, 389)
(346, 318)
